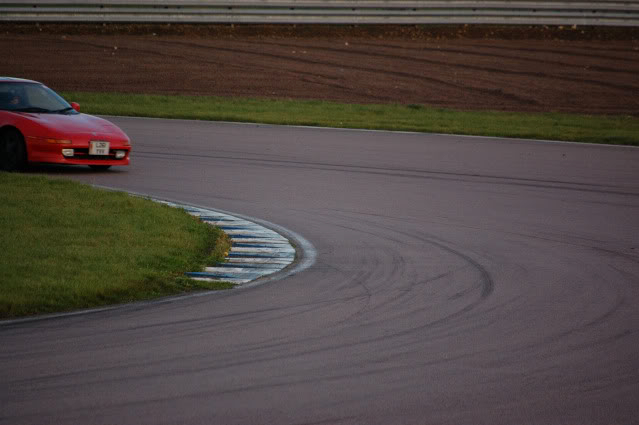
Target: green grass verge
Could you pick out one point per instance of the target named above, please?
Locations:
(67, 246)
(622, 130)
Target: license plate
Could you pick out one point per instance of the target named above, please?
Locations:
(99, 147)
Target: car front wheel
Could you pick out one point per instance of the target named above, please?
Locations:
(13, 155)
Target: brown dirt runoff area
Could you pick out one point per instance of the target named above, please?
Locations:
(582, 70)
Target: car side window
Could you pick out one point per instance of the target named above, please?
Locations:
(31, 97)
(37, 97)
(5, 99)
(10, 99)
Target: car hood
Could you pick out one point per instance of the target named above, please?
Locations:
(76, 125)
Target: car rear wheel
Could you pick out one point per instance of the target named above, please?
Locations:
(100, 167)
(13, 154)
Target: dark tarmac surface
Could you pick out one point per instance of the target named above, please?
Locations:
(458, 280)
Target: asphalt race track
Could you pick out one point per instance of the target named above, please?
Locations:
(458, 280)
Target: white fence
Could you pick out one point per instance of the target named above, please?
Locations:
(610, 13)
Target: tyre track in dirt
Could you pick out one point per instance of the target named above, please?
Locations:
(377, 71)
(512, 75)
(474, 52)
(476, 68)
(566, 52)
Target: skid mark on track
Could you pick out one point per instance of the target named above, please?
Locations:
(423, 174)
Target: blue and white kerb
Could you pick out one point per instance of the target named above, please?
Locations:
(256, 251)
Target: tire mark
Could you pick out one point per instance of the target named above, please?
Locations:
(482, 68)
(419, 174)
(493, 92)
(553, 51)
(498, 56)
(211, 62)
(336, 86)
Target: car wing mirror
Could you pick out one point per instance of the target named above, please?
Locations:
(75, 106)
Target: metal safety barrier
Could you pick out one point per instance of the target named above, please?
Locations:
(608, 13)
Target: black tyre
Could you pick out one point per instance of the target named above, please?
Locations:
(100, 167)
(13, 153)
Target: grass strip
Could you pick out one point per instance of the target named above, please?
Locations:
(67, 246)
(621, 130)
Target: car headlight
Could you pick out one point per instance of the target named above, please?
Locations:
(120, 154)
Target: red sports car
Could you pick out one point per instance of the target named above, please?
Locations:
(37, 125)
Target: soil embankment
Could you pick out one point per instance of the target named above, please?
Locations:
(581, 70)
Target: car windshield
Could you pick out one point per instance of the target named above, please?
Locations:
(31, 97)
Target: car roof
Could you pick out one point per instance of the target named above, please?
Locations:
(16, 80)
